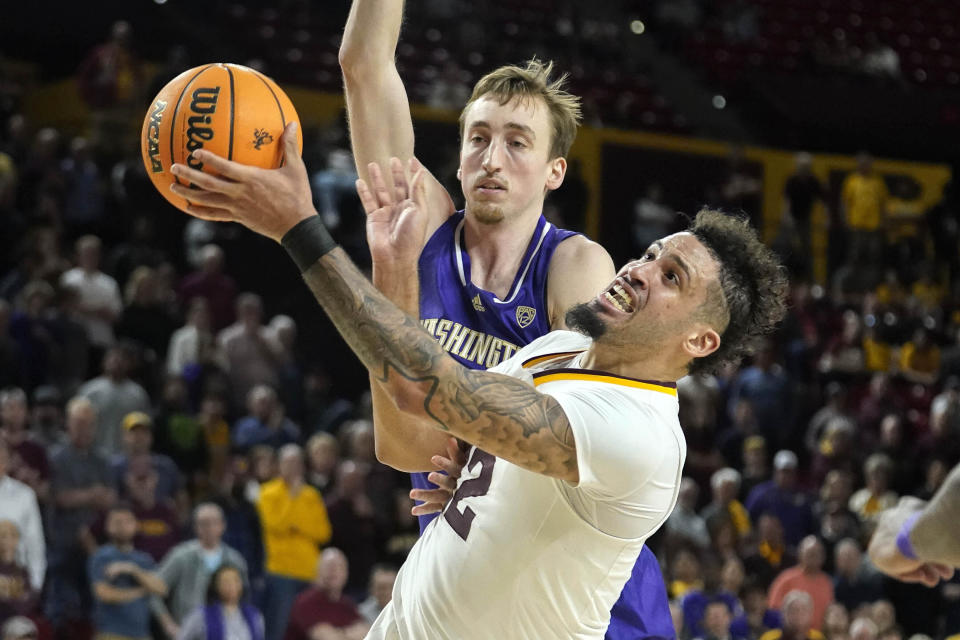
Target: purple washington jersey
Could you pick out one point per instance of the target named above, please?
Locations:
(480, 331)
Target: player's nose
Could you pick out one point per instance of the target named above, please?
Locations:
(492, 157)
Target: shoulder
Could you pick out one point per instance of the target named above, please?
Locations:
(579, 252)
(579, 269)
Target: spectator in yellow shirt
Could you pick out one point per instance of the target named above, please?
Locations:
(864, 201)
(920, 358)
(295, 525)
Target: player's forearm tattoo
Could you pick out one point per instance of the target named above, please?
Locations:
(934, 536)
(497, 413)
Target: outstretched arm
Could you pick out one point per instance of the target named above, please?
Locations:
(927, 531)
(377, 107)
(499, 414)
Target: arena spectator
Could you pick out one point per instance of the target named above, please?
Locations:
(353, 519)
(243, 531)
(323, 455)
(227, 613)
(28, 458)
(294, 523)
(323, 607)
(18, 505)
(158, 522)
(798, 618)
(83, 202)
(920, 358)
(716, 621)
(138, 443)
(177, 431)
(855, 582)
(756, 618)
(864, 202)
(212, 284)
(684, 526)
(192, 345)
(807, 576)
(868, 502)
(382, 577)
(725, 487)
(652, 218)
(122, 580)
(17, 595)
(100, 301)
(836, 622)
(188, 568)
(81, 491)
(266, 423)
(769, 554)
(766, 386)
(289, 365)
(801, 192)
(146, 318)
(114, 395)
(835, 518)
(250, 352)
(782, 497)
(32, 332)
(46, 417)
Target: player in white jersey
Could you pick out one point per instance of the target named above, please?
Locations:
(576, 482)
(568, 550)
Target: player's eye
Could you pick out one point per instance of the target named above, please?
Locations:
(673, 277)
(649, 255)
(476, 139)
(520, 144)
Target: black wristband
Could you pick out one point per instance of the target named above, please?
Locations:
(307, 242)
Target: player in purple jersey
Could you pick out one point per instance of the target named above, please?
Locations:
(497, 275)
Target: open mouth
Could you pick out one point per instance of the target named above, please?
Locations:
(621, 297)
(490, 185)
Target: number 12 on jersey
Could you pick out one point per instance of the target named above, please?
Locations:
(474, 487)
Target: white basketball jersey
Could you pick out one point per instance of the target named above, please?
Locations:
(521, 555)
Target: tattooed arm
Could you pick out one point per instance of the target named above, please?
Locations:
(501, 415)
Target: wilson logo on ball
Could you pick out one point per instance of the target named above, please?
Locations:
(204, 103)
(153, 136)
(260, 138)
(227, 109)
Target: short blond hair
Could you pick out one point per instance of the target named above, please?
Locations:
(532, 82)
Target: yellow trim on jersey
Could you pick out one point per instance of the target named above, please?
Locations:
(550, 356)
(595, 377)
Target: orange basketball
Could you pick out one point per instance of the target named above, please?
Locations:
(231, 110)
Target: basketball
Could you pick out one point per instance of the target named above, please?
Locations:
(233, 111)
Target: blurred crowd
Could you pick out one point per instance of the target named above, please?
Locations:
(173, 462)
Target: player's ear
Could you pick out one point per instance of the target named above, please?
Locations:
(701, 341)
(558, 169)
(459, 173)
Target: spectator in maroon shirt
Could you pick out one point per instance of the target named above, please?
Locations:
(28, 459)
(158, 528)
(322, 610)
(212, 283)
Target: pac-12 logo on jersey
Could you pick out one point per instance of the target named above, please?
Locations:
(525, 316)
(478, 303)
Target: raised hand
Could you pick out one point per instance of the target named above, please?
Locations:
(267, 201)
(397, 220)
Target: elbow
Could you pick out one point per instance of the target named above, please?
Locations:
(410, 398)
(353, 57)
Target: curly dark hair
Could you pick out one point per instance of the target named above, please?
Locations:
(752, 291)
